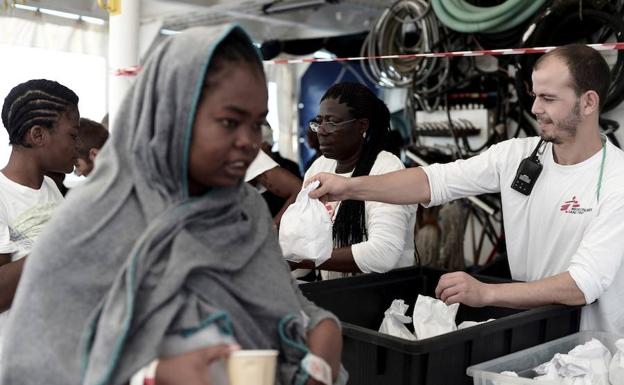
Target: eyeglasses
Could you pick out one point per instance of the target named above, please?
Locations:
(327, 127)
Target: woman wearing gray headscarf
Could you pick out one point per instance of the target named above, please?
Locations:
(164, 250)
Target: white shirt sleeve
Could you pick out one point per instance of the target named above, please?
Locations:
(386, 227)
(261, 164)
(6, 245)
(467, 177)
(599, 255)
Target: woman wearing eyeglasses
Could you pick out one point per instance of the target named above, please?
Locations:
(352, 126)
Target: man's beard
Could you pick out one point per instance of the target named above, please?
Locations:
(568, 126)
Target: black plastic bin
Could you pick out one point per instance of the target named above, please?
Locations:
(499, 268)
(379, 359)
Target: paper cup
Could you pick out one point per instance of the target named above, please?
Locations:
(257, 367)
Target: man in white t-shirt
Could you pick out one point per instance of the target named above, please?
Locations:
(565, 236)
(41, 117)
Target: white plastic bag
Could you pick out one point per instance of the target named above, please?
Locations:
(433, 317)
(507, 373)
(616, 368)
(394, 320)
(306, 230)
(599, 358)
(575, 370)
(586, 364)
(547, 371)
(469, 324)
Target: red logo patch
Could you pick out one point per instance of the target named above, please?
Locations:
(571, 203)
(573, 206)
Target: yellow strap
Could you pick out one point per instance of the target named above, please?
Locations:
(113, 7)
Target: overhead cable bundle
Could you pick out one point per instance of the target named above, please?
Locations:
(570, 23)
(407, 27)
(461, 16)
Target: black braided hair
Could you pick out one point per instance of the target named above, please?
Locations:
(35, 102)
(233, 49)
(350, 224)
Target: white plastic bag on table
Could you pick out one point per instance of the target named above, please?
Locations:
(306, 230)
(586, 364)
(575, 370)
(507, 373)
(547, 371)
(599, 358)
(394, 320)
(616, 368)
(433, 317)
(565, 369)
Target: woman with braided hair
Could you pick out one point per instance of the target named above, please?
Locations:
(41, 117)
(352, 126)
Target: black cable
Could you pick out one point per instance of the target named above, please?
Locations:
(452, 129)
(565, 25)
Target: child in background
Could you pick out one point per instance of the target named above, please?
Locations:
(92, 137)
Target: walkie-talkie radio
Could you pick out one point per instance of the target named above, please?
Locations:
(528, 172)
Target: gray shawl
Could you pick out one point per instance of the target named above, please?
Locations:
(131, 268)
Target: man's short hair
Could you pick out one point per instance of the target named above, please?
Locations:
(588, 69)
(92, 135)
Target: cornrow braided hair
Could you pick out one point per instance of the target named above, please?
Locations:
(350, 224)
(35, 102)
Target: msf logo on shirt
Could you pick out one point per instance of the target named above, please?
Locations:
(573, 206)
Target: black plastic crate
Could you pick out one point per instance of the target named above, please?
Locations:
(499, 268)
(380, 359)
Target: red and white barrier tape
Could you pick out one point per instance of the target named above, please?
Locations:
(491, 52)
(134, 70)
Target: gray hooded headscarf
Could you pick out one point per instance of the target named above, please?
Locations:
(131, 268)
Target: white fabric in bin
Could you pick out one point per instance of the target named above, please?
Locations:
(394, 320)
(616, 368)
(523, 362)
(507, 373)
(586, 364)
(433, 317)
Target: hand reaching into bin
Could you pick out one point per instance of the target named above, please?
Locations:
(459, 287)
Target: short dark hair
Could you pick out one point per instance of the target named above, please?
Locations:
(588, 69)
(235, 48)
(350, 224)
(35, 102)
(92, 135)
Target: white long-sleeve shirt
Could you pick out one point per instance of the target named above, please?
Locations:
(261, 164)
(390, 228)
(561, 226)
